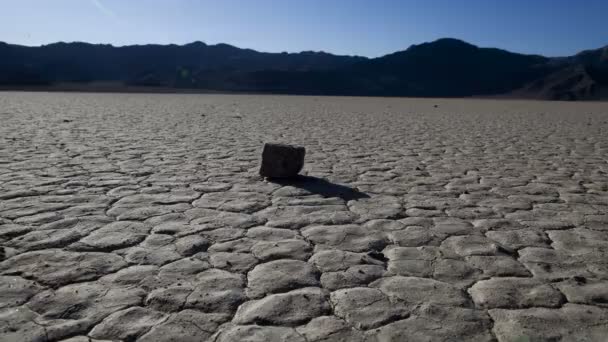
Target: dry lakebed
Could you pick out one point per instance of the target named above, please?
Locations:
(138, 217)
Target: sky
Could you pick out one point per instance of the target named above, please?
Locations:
(354, 27)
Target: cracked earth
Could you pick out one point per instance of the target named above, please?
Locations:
(142, 218)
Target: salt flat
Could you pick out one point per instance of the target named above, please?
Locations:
(142, 217)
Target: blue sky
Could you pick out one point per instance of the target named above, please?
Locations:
(363, 27)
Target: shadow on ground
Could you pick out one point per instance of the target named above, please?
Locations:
(322, 187)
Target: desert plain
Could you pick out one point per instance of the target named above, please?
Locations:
(134, 217)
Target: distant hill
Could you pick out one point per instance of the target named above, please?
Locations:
(446, 67)
(166, 64)
(570, 83)
(583, 76)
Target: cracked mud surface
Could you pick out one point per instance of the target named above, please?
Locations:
(142, 218)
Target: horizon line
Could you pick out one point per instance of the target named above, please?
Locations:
(295, 52)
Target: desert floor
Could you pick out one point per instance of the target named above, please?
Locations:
(142, 217)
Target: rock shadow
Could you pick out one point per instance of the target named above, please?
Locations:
(321, 187)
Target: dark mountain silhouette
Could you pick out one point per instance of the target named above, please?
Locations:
(165, 64)
(450, 67)
(583, 76)
(446, 67)
(573, 82)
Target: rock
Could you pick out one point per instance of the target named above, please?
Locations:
(9, 231)
(156, 249)
(296, 216)
(380, 207)
(18, 193)
(281, 161)
(597, 222)
(336, 260)
(270, 234)
(254, 185)
(413, 290)
(174, 228)
(242, 245)
(549, 263)
(412, 261)
(124, 213)
(149, 256)
(85, 210)
(290, 308)
(243, 202)
(472, 213)
(514, 293)
(43, 239)
(497, 224)
(358, 275)
(208, 219)
(454, 271)
(585, 291)
(284, 249)
(83, 339)
(39, 219)
(211, 187)
(33, 208)
(172, 218)
(83, 304)
(185, 326)
(59, 234)
(15, 291)
(330, 328)
(169, 299)
(438, 323)
(256, 333)
(192, 244)
(580, 241)
(55, 267)
(127, 324)
(184, 267)
(366, 308)
(385, 225)
(280, 275)
(517, 239)
(417, 221)
(18, 325)
(378, 256)
(233, 262)
(453, 226)
(224, 234)
(167, 198)
(131, 275)
(414, 236)
(572, 322)
(498, 266)
(217, 291)
(417, 212)
(352, 238)
(115, 235)
(8, 252)
(467, 245)
(501, 206)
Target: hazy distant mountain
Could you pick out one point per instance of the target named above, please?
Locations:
(446, 67)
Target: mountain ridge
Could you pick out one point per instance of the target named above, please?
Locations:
(447, 67)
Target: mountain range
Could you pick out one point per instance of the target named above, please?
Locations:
(444, 68)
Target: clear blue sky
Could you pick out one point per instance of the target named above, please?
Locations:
(364, 27)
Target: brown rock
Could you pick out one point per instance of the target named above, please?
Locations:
(281, 161)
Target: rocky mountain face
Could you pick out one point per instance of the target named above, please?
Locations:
(446, 67)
